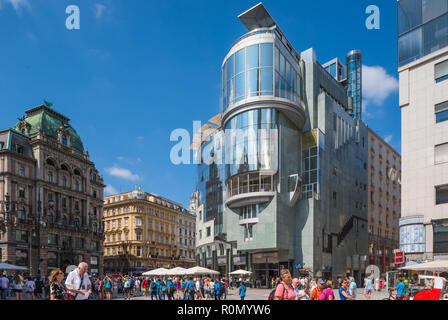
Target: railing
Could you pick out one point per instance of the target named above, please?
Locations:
(250, 189)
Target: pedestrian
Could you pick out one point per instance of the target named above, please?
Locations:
(401, 290)
(343, 291)
(368, 288)
(242, 290)
(178, 285)
(127, 282)
(29, 289)
(38, 289)
(327, 293)
(304, 292)
(57, 288)
(284, 290)
(190, 289)
(295, 285)
(315, 293)
(115, 288)
(226, 288)
(98, 288)
(313, 284)
(18, 286)
(218, 289)
(108, 287)
(212, 289)
(153, 289)
(79, 283)
(352, 288)
(207, 289)
(4, 286)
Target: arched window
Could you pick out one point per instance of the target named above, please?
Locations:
(50, 162)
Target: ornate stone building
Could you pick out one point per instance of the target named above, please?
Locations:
(51, 196)
(142, 232)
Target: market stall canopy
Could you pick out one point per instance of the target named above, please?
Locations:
(7, 266)
(240, 272)
(200, 271)
(436, 266)
(155, 272)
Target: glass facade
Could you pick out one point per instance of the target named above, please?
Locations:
(250, 73)
(422, 28)
(251, 140)
(210, 186)
(412, 238)
(354, 82)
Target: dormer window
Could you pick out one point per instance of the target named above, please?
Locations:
(64, 140)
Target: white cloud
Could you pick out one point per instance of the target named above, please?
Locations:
(110, 190)
(377, 85)
(388, 138)
(122, 173)
(18, 5)
(99, 10)
(129, 161)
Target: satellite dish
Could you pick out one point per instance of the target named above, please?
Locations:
(373, 271)
(70, 268)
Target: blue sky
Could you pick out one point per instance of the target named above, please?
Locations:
(138, 69)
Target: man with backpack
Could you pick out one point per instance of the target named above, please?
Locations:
(153, 289)
(127, 284)
(189, 289)
(283, 290)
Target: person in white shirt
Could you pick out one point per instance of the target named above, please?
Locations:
(29, 289)
(4, 286)
(79, 283)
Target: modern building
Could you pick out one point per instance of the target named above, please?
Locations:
(293, 169)
(423, 85)
(51, 196)
(384, 191)
(141, 233)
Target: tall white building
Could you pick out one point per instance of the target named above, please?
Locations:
(423, 70)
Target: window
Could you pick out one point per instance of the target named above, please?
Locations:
(19, 149)
(50, 176)
(76, 185)
(64, 181)
(1, 145)
(410, 47)
(441, 71)
(64, 140)
(138, 222)
(126, 222)
(52, 259)
(435, 34)
(139, 236)
(21, 257)
(64, 203)
(433, 8)
(441, 111)
(138, 251)
(248, 232)
(22, 215)
(409, 15)
(94, 260)
(200, 234)
(21, 236)
(442, 194)
(52, 239)
(79, 243)
(249, 212)
(440, 229)
(21, 171)
(441, 153)
(21, 192)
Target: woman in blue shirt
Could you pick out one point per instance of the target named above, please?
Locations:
(343, 293)
(242, 291)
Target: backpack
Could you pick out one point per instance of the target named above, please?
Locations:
(153, 286)
(190, 287)
(127, 284)
(272, 293)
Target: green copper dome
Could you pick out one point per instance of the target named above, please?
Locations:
(45, 120)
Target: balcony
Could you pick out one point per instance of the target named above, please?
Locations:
(249, 188)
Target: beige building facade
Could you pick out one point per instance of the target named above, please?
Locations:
(384, 204)
(142, 232)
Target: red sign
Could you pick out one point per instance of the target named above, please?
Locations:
(399, 257)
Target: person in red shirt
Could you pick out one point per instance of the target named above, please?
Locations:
(284, 290)
(145, 286)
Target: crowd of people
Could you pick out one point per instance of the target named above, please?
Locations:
(287, 288)
(78, 285)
